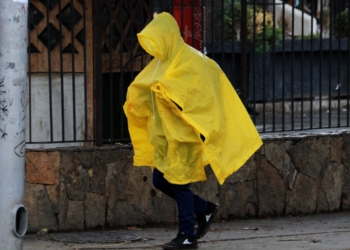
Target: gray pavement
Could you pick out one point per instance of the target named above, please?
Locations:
(322, 231)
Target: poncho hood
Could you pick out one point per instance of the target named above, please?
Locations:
(161, 38)
(181, 96)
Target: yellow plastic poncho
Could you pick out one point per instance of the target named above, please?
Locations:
(178, 96)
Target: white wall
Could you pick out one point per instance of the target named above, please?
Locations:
(40, 109)
(310, 23)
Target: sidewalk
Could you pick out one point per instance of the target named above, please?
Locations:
(323, 231)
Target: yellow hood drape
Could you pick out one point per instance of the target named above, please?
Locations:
(180, 95)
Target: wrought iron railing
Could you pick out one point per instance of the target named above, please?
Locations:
(290, 64)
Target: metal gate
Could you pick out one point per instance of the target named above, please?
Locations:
(118, 58)
(60, 73)
(290, 63)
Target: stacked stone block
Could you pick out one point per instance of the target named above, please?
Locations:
(90, 187)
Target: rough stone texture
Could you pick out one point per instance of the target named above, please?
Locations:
(40, 211)
(275, 153)
(75, 216)
(346, 151)
(208, 189)
(310, 156)
(238, 200)
(302, 199)
(291, 176)
(97, 173)
(271, 189)
(71, 159)
(330, 193)
(77, 183)
(42, 168)
(131, 197)
(336, 149)
(346, 190)
(95, 210)
(53, 193)
(62, 205)
(289, 143)
(246, 173)
(91, 187)
(238, 196)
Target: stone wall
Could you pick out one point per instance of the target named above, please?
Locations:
(89, 187)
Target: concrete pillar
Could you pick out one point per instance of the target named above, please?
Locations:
(13, 76)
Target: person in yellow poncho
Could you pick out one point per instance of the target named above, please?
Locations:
(184, 114)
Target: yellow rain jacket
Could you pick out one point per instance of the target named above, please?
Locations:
(178, 96)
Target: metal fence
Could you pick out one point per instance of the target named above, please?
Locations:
(59, 85)
(288, 60)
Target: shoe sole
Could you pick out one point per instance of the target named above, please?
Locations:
(209, 222)
(167, 247)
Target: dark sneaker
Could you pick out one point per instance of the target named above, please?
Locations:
(182, 241)
(205, 220)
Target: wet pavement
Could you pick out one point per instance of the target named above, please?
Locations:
(322, 231)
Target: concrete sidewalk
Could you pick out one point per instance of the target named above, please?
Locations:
(322, 231)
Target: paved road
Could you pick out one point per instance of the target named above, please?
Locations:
(313, 232)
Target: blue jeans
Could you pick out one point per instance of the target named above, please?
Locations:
(189, 205)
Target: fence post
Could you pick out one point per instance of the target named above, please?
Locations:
(13, 76)
(98, 115)
(244, 40)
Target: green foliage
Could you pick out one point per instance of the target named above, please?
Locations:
(341, 24)
(266, 38)
(232, 18)
(260, 24)
(309, 37)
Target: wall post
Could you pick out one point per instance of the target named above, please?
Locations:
(13, 76)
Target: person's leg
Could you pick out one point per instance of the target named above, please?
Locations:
(162, 184)
(190, 206)
(200, 205)
(185, 206)
(184, 198)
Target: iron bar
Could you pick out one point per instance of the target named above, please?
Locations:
(49, 67)
(192, 24)
(111, 85)
(212, 31)
(302, 71)
(254, 65)
(122, 40)
(222, 34)
(60, 142)
(330, 62)
(348, 81)
(61, 73)
(98, 96)
(283, 69)
(264, 98)
(292, 68)
(244, 41)
(311, 74)
(121, 84)
(73, 70)
(274, 70)
(85, 77)
(320, 72)
(339, 82)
